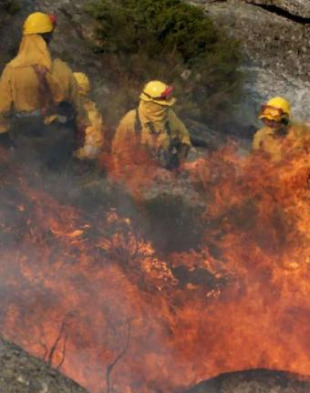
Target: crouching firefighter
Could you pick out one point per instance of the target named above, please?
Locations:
(93, 134)
(155, 127)
(33, 114)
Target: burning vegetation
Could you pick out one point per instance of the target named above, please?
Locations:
(89, 285)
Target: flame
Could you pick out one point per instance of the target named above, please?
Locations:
(86, 291)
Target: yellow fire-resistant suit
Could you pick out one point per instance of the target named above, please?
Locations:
(278, 144)
(93, 138)
(20, 89)
(157, 127)
(94, 134)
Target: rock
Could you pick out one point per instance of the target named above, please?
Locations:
(254, 381)
(294, 7)
(22, 373)
(74, 27)
(277, 53)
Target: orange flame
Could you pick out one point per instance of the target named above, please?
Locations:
(90, 295)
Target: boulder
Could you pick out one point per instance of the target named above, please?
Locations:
(299, 8)
(252, 381)
(276, 49)
(22, 373)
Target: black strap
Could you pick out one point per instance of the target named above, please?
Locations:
(138, 126)
(168, 128)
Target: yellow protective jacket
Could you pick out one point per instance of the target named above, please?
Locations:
(276, 145)
(94, 133)
(20, 88)
(128, 135)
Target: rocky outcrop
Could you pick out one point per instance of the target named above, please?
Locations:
(300, 8)
(276, 48)
(22, 373)
(264, 381)
(70, 37)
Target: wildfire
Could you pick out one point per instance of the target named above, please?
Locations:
(86, 290)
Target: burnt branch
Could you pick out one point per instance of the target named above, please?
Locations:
(63, 354)
(45, 349)
(111, 366)
(62, 336)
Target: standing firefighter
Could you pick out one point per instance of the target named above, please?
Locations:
(279, 135)
(34, 109)
(155, 127)
(93, 135)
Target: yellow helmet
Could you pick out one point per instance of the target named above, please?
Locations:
(158, 92)
(38, 23)
(82, 82)
(276, 109)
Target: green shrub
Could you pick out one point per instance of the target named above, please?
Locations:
(173, 41)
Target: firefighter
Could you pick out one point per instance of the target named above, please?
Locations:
(154, 126)
(279, 135)
(35, 108)
(93, 137)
